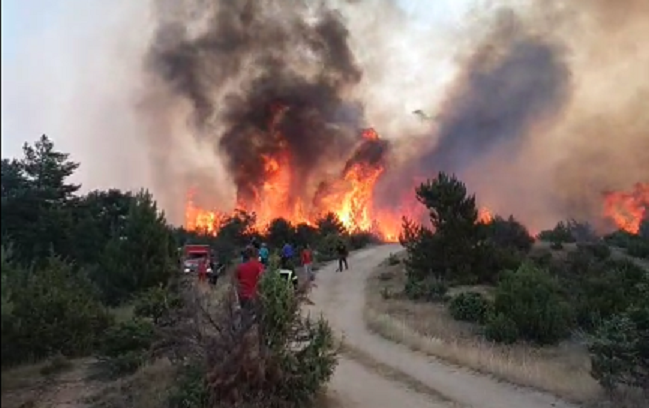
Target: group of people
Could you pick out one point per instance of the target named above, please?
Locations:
(255, 260)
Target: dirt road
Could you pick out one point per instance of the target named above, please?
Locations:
(341, 296)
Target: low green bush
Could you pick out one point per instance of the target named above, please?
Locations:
(501, 329)
(638, 248)
(619, 349)
(599, 250)
(469, 307)
(430, 289)
(155, 303)
(126, 346)
(54, 310)
(531, 298)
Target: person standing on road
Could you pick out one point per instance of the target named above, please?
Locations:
(247, 278)
(307, 262)
(202, 270)
(287, 256)
(341, 249)
(264, 255)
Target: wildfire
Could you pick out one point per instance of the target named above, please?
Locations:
(628, 209)
(484, 215)
(350, 196)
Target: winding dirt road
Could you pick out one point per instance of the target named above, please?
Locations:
(340, 297)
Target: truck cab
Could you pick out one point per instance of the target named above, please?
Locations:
(192, 256)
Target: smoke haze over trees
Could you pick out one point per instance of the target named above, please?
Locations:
(540, 112)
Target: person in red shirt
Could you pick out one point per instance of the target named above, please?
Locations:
(202, 270)
(307, 262)
(247, 277)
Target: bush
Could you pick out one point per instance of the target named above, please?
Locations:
(560, 234)
(620, 239)
(430, 290)
(155, 303)
(530, 297)
(509, 233)
(190, 389)
(54, 310)
(501, 329)
(491, 260)
(638, 248)
(620, 349)
(469, 307)
(556, 246)
(271, 355)
(360, 239)
(126, 346)
(599, 250)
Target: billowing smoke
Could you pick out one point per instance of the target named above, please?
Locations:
(540, 106)
(266, 81)
(543, 113)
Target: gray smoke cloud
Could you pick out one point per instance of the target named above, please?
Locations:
(539, 106)
(544, 114)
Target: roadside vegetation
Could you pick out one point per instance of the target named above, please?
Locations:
(95, 311)
(566, 312)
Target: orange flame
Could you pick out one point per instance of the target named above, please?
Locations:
(484, 215)
(628, 209)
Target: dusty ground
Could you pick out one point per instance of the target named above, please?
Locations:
(341, 298)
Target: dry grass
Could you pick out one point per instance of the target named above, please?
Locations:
(51, 383)
(147, 388)
(428, 328)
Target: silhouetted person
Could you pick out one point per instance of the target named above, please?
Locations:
(341, 249)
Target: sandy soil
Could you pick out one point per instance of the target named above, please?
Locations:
(341, 296)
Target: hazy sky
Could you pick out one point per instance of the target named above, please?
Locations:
(47, 49)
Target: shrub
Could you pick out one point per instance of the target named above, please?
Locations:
(360, 239)
(620, 239)
(509, 233)
(620, 349)
(638, 248)
(491, 260)
(126, 346)
(599, 250)
(542, 258)
(560, 234)
(431, 289)
(190, 389)
(530, 297)
(155, 303)
(556, 246)
(54, 310)
(271, 355)
(470, 307)
(501, 329)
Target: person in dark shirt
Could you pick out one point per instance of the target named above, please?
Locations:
(341, 249)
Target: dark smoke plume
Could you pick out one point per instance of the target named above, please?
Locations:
(507, 86)
(509, 82)
(265, 79)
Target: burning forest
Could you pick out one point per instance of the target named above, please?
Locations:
(276, 94)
